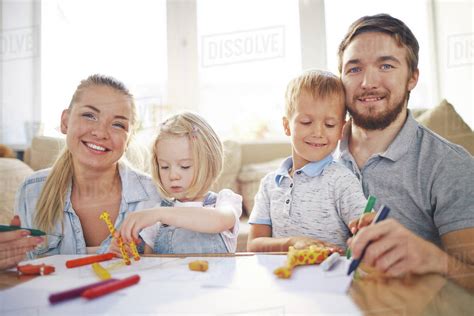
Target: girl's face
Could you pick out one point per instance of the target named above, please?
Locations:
(97, 127)
(176, 165)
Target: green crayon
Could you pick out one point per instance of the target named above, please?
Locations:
(368, 208)
(34, 232)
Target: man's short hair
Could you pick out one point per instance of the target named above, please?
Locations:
(383, 23)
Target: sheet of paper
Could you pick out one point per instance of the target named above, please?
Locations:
(232, 285)
(257, 272)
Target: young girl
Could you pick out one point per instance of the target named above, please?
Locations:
(187, 159)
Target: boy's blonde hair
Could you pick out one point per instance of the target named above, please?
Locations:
(321, 84)
(206, 148)
(50, 205)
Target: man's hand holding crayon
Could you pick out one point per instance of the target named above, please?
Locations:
(365, 220)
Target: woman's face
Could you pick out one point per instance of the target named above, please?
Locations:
(97, 127)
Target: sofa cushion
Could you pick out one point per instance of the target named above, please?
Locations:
(445, 121)
(230, 170)
(249, 180)
(12, 174)
(43, 151)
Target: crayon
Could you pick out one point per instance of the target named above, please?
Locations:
(110, 287)
(329, 262)
(100, 271)
(381, 215)
(34, 232)
(35, 269)
(76, 292)
(89, 260)
(368, 208)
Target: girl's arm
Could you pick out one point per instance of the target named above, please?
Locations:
(199, 219)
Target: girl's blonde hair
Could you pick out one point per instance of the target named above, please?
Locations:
(206, 149)
(50, 206)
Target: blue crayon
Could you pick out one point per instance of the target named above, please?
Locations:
(381, 215)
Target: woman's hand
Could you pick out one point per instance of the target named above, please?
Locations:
(15, 244)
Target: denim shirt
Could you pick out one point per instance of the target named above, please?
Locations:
(171, 239)
(138, 192)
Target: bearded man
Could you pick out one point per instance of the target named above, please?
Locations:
(427, 181)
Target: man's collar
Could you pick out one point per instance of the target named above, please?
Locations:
(312, 169)
(402, 142)
(395, 150)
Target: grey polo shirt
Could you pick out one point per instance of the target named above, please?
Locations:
(319, 201)
(427, 181)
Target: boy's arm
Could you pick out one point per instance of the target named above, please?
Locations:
(260, 240)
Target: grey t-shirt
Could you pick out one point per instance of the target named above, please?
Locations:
(319, 201)
(427, 181)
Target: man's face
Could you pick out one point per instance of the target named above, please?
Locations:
(377, 79)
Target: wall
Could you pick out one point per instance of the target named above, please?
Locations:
(455, 42)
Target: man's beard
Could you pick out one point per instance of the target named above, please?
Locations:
(379, 121)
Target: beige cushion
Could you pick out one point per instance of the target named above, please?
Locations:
(12, 174)
(249, 180)
(445, 121)
(232, 161)
(43, 151)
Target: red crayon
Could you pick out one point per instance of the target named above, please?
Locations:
(89, 260)
(100, 290)
(76, 292)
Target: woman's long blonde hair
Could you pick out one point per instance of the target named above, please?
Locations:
(206, 148)
(50, 206)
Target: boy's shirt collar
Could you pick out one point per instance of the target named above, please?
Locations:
(312, 169)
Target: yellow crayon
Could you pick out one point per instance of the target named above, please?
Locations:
(101, 272)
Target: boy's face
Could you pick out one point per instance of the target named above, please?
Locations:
(315, 127)
(176, 165)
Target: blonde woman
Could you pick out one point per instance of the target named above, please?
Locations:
(88, 177)
(187, 159)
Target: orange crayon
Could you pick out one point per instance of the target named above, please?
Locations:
(89, 260)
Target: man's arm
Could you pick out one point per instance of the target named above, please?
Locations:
(459, 246)
(397, 251)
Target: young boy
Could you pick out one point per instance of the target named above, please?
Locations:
(310, 199)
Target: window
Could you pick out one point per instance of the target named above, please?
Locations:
(248, 51)
(117, 38)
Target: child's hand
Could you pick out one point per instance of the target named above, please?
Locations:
(135, 222)
(305, 242)
(114, 248)
(365, 220)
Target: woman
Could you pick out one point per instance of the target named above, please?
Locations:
(87, 178)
